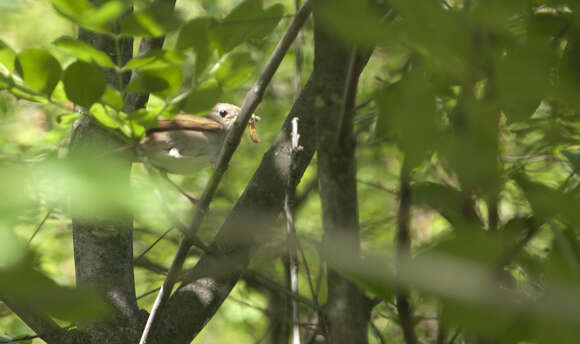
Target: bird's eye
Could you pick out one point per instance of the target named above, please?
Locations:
(223, 112)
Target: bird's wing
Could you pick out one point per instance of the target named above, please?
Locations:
(187, 122)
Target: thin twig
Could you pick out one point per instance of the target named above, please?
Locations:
(291, 239)
(152, 245)
(298, 58)
(39, 227)
(232, 141)
(403, 246)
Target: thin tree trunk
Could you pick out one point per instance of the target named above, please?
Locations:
(348, 311)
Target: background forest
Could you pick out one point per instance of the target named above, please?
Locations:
(434, 199)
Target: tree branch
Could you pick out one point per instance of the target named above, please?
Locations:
(42, 325)
(232, 141)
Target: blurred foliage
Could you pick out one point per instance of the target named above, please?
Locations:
(479, 96)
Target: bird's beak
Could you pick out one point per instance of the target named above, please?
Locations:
(252, 128)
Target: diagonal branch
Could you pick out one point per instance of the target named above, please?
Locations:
(253, 98)
(247, 227)
(41, 324)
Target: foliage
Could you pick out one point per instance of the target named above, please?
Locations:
(479, 98)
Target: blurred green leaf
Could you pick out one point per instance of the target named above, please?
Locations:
(39, 69)
(548, 203)
(84, 83)
(66, 119)
(407, 111)
(12, 249)
(245, 22)
(196, 34)
(113, 98)
(141, 120)
(153, 21)
(358, 22)
(87, 15)
(523, 78)
(449, 202)
(84, 51)
(155, 58)
(547, 24)
(7, 56)
(161, 81)
(32, 289)
(574, 159)
(203, 98)
(234, 70)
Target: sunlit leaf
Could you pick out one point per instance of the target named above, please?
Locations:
(105, 116)
(156, 58)
(113, 98)
(87, 15)
(153, 21)
(39, 69)
(84, 83)
(84, 51)
(161, 81)
(66, 119)
(7, 56)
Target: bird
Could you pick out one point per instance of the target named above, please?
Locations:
(188, 143)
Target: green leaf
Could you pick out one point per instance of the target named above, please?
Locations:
(7, 56)
(574, 159)
(153, 21)
(196, 34)
(245, 22)
(5, 82)
(141, 120)
(234, 70)
(84, 83)
(39, 69)
(104, 116)
(113, 98)
(547, 202)
(356, 22)
(203, 98)
(66, 119)
(407, 112)
(523, 78)
(161, 81)
(449, 202)
(156, 58)
(84, 51)
(84, 13)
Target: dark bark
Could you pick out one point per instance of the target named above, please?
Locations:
(246, 228)
(403, 248)
(103, 242)
(347, 309)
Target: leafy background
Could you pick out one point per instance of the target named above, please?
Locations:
(480, 98)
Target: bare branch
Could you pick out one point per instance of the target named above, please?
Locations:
(232, 141)
(291, 239)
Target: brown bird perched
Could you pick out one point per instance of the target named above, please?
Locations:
(188, 143)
